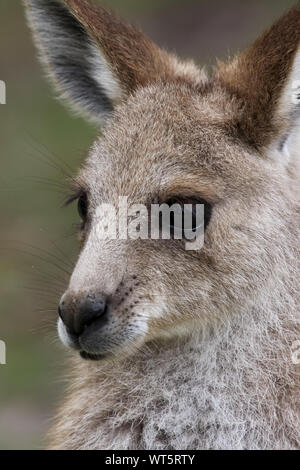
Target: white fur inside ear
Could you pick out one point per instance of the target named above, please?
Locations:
(295, 81)
(288, 115)
(103, 74)
(287, 151)
(291, 96)
(292, 144)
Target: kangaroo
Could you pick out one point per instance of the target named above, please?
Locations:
(177, 349)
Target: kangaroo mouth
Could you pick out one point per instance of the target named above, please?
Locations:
(92, 357)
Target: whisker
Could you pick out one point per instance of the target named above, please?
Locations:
(49, 157)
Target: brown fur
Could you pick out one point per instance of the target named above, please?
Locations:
(258, 76)
(135, 59)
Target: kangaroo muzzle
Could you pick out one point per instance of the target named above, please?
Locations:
(89, 311)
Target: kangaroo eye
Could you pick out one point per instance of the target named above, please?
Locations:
(187, 216)
(83, 206)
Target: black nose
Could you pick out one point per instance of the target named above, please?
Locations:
(77, 315)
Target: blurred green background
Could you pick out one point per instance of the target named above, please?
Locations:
(41, 144)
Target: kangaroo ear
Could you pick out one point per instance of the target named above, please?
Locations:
(266, 79)
(94, 59)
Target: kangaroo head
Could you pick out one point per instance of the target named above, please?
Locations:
(170, 132)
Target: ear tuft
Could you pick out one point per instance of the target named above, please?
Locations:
(265, 79)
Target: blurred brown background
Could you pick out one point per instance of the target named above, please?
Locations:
(40, 145)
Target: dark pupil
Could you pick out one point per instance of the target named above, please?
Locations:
(194, 221)
(82, 206)
(207, 212)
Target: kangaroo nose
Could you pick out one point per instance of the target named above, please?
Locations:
(78, 315)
